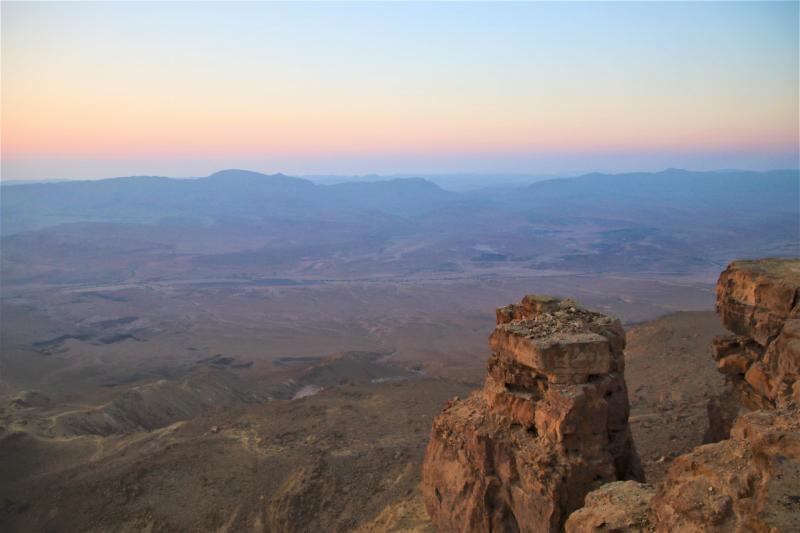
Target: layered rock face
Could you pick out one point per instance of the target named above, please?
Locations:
(550, 424)
(759, 301)
(750, 481)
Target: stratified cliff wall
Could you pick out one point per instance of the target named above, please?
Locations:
(750, 480)
(550, 424)
(758, 303)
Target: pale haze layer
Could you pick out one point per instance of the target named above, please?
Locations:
(98, 90)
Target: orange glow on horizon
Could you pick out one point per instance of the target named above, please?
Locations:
(82, 81)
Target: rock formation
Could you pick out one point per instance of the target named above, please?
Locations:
(751, 480)
(759, 301)
(550, 424)
(621, 506)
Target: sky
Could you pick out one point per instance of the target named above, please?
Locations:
(94, 90)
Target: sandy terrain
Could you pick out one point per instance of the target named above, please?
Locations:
(671, 375)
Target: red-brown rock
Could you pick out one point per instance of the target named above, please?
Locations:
(751, 480)
(622, 506)
(755, 298)
(748, 483)
(550, 424)
(760, 302)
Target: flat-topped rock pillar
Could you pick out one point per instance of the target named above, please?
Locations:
(549, 425)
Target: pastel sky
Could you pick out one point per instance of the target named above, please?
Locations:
(107, 89)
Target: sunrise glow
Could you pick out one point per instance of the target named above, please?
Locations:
(129, 88)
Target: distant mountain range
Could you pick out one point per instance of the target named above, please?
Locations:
(228, 193)
(240, 223)
(242, 193)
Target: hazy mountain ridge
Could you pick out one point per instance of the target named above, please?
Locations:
(242, 223)
(225, 193)
(778, 188)
(250, 194)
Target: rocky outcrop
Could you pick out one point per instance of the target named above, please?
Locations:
(750, 480)
(550, 424)
(759, 302)
(617, 506)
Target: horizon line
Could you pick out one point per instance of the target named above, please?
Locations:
(403, 175)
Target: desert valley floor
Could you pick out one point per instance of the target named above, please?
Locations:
(262, 397)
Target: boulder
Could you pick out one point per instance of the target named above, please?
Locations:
(617, 506)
